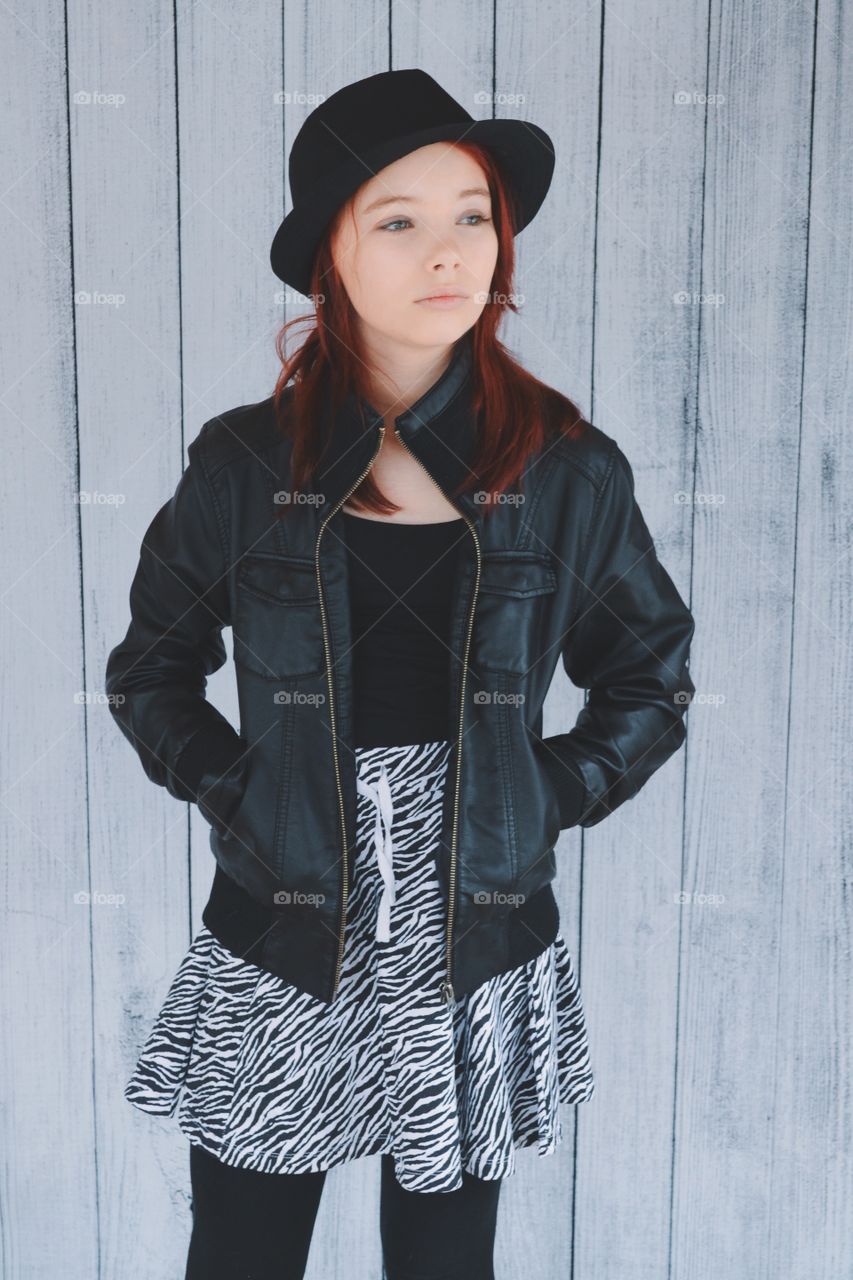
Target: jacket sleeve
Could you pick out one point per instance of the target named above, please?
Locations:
(157, 675)
(628, 645)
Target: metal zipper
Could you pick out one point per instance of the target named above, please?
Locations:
(330, 683)
(446, 985)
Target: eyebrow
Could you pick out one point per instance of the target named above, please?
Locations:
(463, 195)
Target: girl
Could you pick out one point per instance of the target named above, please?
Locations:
(404, 537)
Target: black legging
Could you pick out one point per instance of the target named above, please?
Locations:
(258, 1226)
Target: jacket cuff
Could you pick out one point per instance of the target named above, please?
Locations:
(569, 786)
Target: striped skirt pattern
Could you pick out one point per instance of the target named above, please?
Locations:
(266, 1077)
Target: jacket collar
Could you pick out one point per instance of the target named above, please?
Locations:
(439, 429)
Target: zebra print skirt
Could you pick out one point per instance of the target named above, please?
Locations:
(266, 1077)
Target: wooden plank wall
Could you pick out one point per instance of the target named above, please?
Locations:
(688, 282)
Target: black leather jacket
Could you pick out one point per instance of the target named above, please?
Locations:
(570, 573)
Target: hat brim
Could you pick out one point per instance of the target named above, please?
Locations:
(524, 152)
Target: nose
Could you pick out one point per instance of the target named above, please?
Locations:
(445, 255)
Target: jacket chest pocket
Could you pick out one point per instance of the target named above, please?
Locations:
(508, 619)
(278, 626)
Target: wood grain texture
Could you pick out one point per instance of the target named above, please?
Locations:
(648, 199)
(688, 284)
(49, 1179)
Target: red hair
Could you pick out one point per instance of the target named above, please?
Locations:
(522, 411)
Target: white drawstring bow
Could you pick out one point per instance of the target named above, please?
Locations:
(381, 797)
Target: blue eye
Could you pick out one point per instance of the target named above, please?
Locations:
(395, 222)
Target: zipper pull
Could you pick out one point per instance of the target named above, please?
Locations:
(446, 989)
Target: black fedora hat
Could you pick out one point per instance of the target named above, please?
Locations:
(371, 123)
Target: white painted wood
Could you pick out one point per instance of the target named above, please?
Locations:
(647, 194)
(804, 1061)
(731, 1045)
(49, 1210)
(124, 209)
(716, 1143)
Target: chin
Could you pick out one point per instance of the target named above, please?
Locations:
(447, 326)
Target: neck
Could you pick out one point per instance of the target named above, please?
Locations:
(401, 375)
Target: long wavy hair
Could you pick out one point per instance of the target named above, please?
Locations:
(516, 413)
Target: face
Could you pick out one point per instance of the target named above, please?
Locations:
(422, 225)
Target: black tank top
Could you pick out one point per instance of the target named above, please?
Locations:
(401, 584)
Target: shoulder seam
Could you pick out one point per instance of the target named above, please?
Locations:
(593, 528)
(213, 468)
(198, 447)
(566, 453)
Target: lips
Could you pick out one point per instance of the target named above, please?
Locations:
(444, 293)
